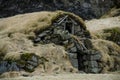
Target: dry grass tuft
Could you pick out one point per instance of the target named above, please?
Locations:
(110, 53)
(32, 22)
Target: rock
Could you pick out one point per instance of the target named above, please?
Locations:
(29, 68)
(65, 42)
(13, 67)
(37, 40)
(86, 5)
(92, 64)
(42, 34)
(74, 63)
(85, 63)
(84, 57)
(91, 57)
(73, 55)
(73, 59)
(96, 57)
(32, 63)
(73, 50)
(3, 66)
(47, 37)
(80, 33)
(55, 40)
(79, 48)
(34, 59)
(65, 36)
(47, 31)
(91, 52)
(94, 70)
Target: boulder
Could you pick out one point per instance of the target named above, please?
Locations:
(3, 67)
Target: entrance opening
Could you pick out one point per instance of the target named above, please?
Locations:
(68, 26)
(80, 62)
(77, 60)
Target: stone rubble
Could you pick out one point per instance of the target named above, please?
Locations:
(27, 63)
(73, 37)
(78, 46)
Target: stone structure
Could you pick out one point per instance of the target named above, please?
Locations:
(45, 41)
(67, 32)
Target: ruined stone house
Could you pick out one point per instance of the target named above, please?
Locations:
(70, 32)
(67, 31)
(61, 29)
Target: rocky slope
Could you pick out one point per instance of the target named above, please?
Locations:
(87, 9)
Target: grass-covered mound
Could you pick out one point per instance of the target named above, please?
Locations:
(18, 51)
(114, 35)
(111, 34)
(110, 52)
(32, 22)
(16, 45)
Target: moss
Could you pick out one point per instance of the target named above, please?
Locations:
(27, 56)
(21, 62)
(114, 34)
(87, 33)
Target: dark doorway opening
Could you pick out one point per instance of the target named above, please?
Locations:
(68, 26)
(80, 62)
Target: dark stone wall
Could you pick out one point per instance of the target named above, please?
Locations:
(87, 9)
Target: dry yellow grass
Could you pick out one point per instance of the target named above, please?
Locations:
(112, 13)
(32, 22)
(110, 53)
(15, 31)
(14, 41)
(97, 25)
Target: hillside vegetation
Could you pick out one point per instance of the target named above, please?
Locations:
(18, 49)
